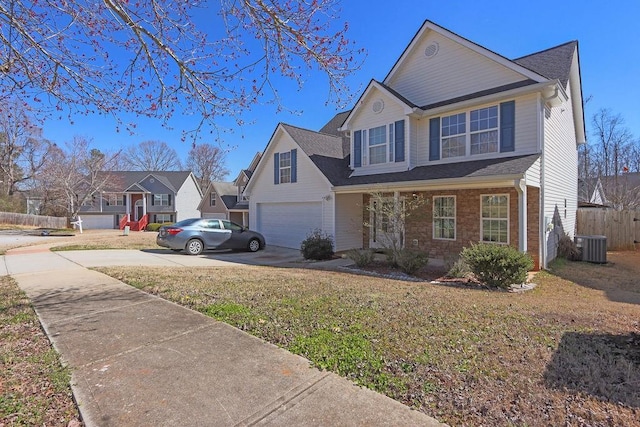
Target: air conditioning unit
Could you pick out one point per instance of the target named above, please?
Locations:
(593, 248)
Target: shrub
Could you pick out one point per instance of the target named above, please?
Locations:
(154, 226)
(361, 257)
(496, 265)
(459, 269)
(410, 261)
(567, 249)
(318, 246)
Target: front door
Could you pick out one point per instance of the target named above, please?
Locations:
(381, 220)
(138, 211)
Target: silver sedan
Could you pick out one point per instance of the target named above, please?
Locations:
(195, 235)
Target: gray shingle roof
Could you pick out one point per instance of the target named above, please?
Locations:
(552, 63)
(479, 94)
(335, 123)
(121, 180)
(316, 143)
(501, 167)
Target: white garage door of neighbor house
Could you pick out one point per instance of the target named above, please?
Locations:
(97, 222)
(288, 224)
(214, 216)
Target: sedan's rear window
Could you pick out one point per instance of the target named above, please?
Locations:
(185, 222)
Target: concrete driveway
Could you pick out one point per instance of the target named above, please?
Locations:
(270, 256)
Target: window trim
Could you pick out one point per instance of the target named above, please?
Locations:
(160, 202)
(212, 198)
(467, 133)
(391, 152)
(155, 217)
(454, 218)
(281, 168)
(488, 130)
(114, 197)
(508, 219)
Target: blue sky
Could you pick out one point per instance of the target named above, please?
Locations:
(608, 35)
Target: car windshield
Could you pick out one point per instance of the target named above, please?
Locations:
(186, 222)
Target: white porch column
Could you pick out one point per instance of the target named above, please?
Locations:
(521, 187)
(144, 204)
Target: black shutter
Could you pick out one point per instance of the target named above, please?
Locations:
(434, 138)
(399, 142)
(507, 126)
(357, 149)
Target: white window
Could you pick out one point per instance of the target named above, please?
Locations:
(494, 225)
(444, 217)
(483, 124)
(378, 145)
(285, 167)
(482, 135)
(162, 218)
(454, 135)
(212, 199)
(161, 200)
(114, 200)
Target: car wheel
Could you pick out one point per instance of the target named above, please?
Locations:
(254, 245)
(194, 247)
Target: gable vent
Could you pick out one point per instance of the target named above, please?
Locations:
(378, 106)
(432, 50)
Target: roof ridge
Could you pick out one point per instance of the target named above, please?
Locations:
(545, 50)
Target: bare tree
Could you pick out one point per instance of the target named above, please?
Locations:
(388, 217)
(151, 156)
(206, 161)
(148, 57)
(23, 150)
(75, 176)
(612, 143)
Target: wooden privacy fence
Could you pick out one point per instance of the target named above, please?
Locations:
(622, 228)
(32, 220)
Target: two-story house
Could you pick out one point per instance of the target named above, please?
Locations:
(136, 198)
(226, 200)
(489, 142)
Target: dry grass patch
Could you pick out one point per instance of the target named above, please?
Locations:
(34, 387)
(562, 354)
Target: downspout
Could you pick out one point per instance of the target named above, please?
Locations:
(542, 222)
(521, 188)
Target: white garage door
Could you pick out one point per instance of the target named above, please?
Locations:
(97, 221)
(288, 224)
(214, 215)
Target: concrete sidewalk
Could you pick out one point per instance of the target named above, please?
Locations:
(139, 360)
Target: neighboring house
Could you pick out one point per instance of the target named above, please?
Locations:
(226, 200)
(591, 194)
(137, 198)
(622, 191)
(491, 144)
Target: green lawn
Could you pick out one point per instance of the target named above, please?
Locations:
(562, 354)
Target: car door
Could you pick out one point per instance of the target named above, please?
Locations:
(236, 239)
(213, 234)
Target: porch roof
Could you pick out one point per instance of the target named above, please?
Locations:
(501, 167)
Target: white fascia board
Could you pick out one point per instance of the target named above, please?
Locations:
(538, 87)
(408, 109)
(440, 184)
